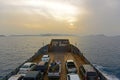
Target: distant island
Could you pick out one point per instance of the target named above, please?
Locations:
(57, 35)
(2, 35)
(47, 35)
(51, 34)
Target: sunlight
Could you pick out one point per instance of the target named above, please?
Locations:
(52, 9)
(58, 10)
(72, 27)
(71, 24)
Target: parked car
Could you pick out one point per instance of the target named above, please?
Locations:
(73, 76)
(42, 66)
(54, 70)
(45, 58)
(70, 66)
(16, 77)
(88, 72)
(22, 72)
(29, 66)
(33, 75)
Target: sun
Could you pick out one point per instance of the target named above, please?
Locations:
(72, 26)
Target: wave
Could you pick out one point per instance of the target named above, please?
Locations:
(105, 73)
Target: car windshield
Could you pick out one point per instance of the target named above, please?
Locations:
(91, 74)
(28, 79)
(91, 78)
(25, 66)
(71, 64)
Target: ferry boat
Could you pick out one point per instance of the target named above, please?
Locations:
(67, 54)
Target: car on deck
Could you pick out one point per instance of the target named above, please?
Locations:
(71, 67)
(45, 58)
(73, 76)
(16, 77)
(42, 66)
(28, 66)
(88, 72)
(33, 75)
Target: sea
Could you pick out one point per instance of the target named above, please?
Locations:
(102, 51)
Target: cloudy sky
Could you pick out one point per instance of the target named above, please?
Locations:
(84, 17)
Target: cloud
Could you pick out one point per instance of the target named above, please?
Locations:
(46, 8)
(104, 16)
(88, 16)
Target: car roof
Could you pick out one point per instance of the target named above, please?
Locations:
(45, 55)
(88, 68)
(15, 77)
(74, 77)
(32, 74)
(70, 61)
(28, 63)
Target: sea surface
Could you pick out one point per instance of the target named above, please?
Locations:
(102, 51)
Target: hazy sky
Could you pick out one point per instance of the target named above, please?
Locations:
(82, 17)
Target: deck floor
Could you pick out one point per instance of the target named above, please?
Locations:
(63, 57)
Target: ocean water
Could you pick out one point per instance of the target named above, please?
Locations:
(102, 51)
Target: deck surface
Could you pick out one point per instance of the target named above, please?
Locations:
(63, 57)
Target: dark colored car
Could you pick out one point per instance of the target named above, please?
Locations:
(42, 67)
(33, 75)
(88, 72)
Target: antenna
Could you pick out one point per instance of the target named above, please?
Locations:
(43, 43)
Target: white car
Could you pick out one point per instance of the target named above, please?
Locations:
(16, 77)
(73, 77)
(71, 67)
(28, 66)
(45, 58)
(23, 73)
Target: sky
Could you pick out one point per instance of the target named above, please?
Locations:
(82, 17)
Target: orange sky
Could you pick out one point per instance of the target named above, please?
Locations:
(57, 16)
